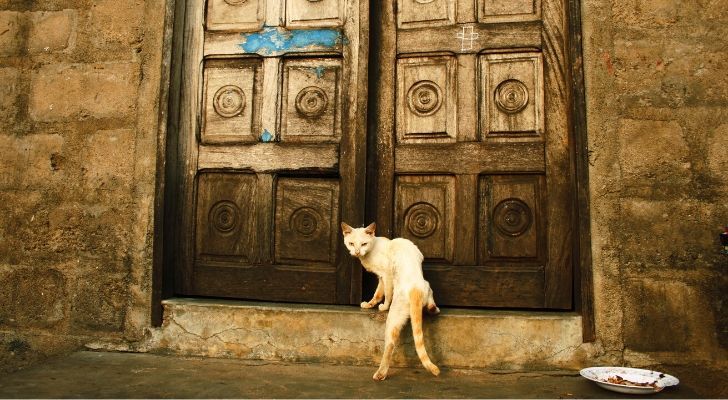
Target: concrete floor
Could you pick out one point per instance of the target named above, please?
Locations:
(128, 375)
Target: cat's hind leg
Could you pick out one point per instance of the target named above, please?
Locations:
(396, 319)
(378, 295)
(430, 305)
(388, 293)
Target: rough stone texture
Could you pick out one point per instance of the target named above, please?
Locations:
(349, 335)
(80, 133)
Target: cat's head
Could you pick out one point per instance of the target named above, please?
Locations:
(358, 240)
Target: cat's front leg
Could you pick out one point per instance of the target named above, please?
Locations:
(378, 294)
(388, 291)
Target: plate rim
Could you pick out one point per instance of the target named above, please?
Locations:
(641, 370)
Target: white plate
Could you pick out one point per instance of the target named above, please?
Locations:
(600, 376)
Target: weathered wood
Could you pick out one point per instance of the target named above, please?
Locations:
(306, 13)
(187, 143)
(512, 94)
(231, 101)
(311, 100)
(425, 214)
(470, 158)
(559, 178)
(506, 285)
(263, 282)
(270, 157)
(243, 16)
(270, 99)
(583, 281)
(489, 37)
(276, 42)
(467, 92)
(494, 11)
(306, 221)
(466, 216)
(427, 100)
(412, 14)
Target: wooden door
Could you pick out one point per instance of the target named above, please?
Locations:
(271, 149)
(472, 149)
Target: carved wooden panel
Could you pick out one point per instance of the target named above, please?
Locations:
(230, 101)
(509, 10)
(314, 13)
(235, 15)
(512, 94)
(424, 13)
(226, 216)
(510, 217)
(306, 220)
(426, 99)
(311, 100)
(425, 213)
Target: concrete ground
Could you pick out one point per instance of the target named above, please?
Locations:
(128, 375)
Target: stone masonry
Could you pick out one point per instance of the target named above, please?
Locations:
(82, 113)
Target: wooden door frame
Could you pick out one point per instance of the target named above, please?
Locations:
(167, 182)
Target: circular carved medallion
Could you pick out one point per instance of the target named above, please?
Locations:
(311, 101)
(512, 217)
(424, 98)
(305, 222)
(511, 96)
(424, 1)
(224, 216)
(235, 2)
(229, 101)
(422, 220)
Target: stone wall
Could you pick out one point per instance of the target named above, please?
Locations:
(79, 111)
(79, 131)
(657, 105)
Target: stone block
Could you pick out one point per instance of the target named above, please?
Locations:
(32, 297)
(665, 316)
(12, 39)
(718, 155)
(114, 22)
(654, 157)
(79, 91)
(30, 161)
(100, 302)
(672, 233)
(109, 160)
(9, 87)
(646, 13)
(51, 31)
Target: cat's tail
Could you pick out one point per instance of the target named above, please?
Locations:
(416, 303)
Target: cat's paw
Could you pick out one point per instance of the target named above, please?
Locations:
(366, 304)
(383, 307)
(379, 376)
(433, 309)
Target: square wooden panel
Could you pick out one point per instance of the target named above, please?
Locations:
(511, 94)
(226, 216)
(311, 100)
(235, 15)
(426, 99)
(511, 217)
(306, 221)
(424, 213)
(509, 10)
(231, 106)
(314, 13)
(425, 13)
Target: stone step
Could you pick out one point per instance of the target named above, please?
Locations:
(456, 338)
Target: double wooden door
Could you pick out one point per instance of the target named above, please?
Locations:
(467, 151)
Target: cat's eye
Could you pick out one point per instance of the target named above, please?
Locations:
(364, 244)
(351, 243)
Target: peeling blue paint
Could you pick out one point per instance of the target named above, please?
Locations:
(266, 136)
(275, 40)
(319, 71)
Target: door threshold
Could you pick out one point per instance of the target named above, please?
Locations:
(456, 338)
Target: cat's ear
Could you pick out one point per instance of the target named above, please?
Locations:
(369, 230)
(346, 228)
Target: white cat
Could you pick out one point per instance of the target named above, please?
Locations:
(398, 264)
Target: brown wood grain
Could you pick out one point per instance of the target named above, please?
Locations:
(490, 37)
(470, 158)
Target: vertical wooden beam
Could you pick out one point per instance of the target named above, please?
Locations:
(467, 108)
(583, 281)
(270, 98)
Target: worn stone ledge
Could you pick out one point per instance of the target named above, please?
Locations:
(348, 335)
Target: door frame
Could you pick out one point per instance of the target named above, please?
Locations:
(166, 206)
